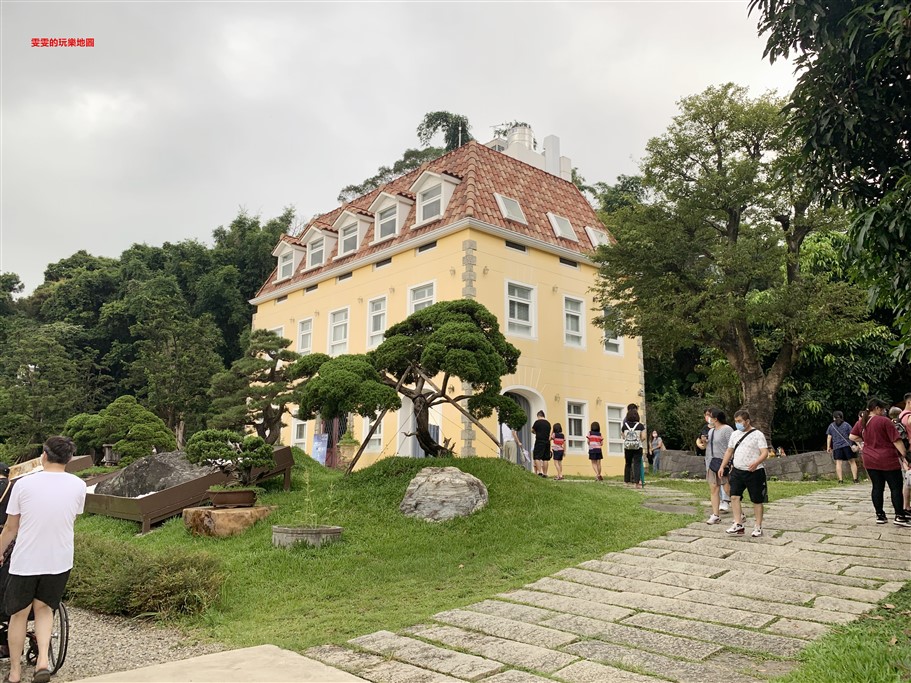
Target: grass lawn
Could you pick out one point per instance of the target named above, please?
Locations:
(388, 571)
(876, 647)
(777, 489)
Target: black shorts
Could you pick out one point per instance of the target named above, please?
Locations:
(542, 450)
(22, 590)
(595, 454)
(558, 455)
(844, 453)
(754, 482)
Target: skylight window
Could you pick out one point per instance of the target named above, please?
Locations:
(598, 237)
(510, 209)
(562, 227)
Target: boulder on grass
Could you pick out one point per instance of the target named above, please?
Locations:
(153, 473)
(440, 493)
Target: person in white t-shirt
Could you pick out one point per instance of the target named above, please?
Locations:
(41, 513)
(748, 449)
(509, 441)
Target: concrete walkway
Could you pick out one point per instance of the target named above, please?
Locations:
(694, 606)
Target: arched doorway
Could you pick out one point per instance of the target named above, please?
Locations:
(531, 402)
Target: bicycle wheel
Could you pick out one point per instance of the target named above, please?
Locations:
(60, 634)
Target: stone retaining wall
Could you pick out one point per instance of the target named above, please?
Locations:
(812, 465)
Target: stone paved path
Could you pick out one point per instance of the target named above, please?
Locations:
(694, 606)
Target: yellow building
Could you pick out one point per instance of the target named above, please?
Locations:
(498, 223)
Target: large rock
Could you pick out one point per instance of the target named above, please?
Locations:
(440, 493)
(223, 523)
(152, 473)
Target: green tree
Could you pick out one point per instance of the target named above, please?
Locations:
(9, 285)
(411, 159)
(455, 129)
(715, 259)
(256, 390)
(132, 429)
(850, 109)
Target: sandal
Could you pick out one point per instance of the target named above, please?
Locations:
(42, 676)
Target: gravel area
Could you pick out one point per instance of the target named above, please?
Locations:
(101, 644)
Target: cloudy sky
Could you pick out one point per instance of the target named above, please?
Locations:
(184, 112)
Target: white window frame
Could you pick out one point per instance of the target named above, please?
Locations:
(559, 228)
(612, 442)
(532, 313)
(375, 444)
(280, 331)
(322, 253)
(616, 341)
(301, 349)
(330, 344)
(432, 299)
(285, 261)
(352, 229)
(372, 342)
(507, 209)
(597, 237)
(580, 314)
(581, 442)
(423, 202)
(295, 441)
(379, 236)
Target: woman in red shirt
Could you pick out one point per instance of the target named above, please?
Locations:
(884, 458)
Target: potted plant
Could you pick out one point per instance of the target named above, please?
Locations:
(313, 532)
(347, 447)
(237, 456)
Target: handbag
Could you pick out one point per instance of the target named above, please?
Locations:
(715, 463)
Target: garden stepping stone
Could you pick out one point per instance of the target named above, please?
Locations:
(785, 581)
(715, 633)
(513, 676)
(797, 628)
(634, 637)
(562, 603)
(764, 668)
(829, 579)
(657, 665)
(592, 672)
(624, 570)
(863, 553)
(506, 628)
(510, 610)
(499, 649)
(744, 589)
(867, 572)
(618, 584)
(374, 668)
(763, 607)
(695, 565)
(842, 605)
(419, 653)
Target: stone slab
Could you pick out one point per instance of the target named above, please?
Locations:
(622, 634)
(870, 543)
(645, 551)
(722, 635)
(624, 570)
(510, 610)
(707, 549)
(806, 574)
(745, 589)
(562, 603)
(441, 660)
(617, 584)
(217, 523)
(796, 559)
(717, 566)
(658, 665)
(764, 608)
(693, 565)
(717, 531)
(798, 629)
(505, 628)
(866, 572)
(784, 581)
(260, 664)
(514, 676)
(804, 536)
(841, 605)
(499, 649)
(764, 668)
(857, 551)
(653, 603)
(592, 672)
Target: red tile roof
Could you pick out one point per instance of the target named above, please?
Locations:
(482, 172)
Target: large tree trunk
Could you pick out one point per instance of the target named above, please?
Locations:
(422, 427)
(180, 434)
(759, 400)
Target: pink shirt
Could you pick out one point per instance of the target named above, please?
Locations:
(879, 438)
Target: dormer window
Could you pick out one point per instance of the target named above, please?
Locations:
(286, 265)
(430, 203)
(349, 239)
(510, 209)
(315, 252)
(562, 227)
(386, 223)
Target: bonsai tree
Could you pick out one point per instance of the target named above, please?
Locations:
(235, 454)
(133, 430)
(256, 391)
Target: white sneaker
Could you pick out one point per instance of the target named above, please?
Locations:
(714, 519)
(735, 530)
(725, 506)
(757, 532)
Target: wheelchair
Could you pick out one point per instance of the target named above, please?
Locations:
(60, 633)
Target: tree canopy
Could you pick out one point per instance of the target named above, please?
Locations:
(715, 258)
(850, 110)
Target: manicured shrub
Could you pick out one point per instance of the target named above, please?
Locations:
(231, 451)
(115, 577)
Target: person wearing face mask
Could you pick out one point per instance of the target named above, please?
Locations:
(747, 449)
(655, 448)
(716, 444)
(839, 444)
(702, 448)
(884, 459)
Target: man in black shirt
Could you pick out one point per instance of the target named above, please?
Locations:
(541, 457)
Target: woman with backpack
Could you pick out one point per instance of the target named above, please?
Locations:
(839, 444)
(633, 433)
(883, 455)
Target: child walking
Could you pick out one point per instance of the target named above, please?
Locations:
(558, 446)
(595, 441)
